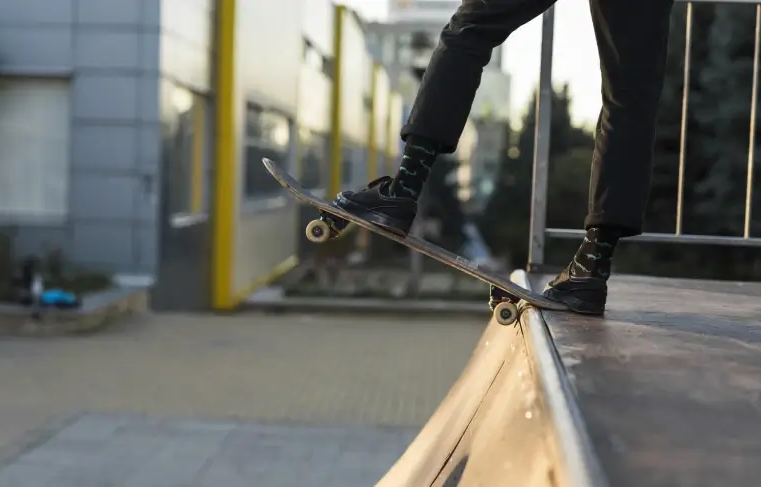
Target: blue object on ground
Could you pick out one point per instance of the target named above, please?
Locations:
(59, 297)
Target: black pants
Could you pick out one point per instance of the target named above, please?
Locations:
(632, 40)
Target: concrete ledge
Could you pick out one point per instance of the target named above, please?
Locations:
(98, 311)
(579, 463)
(275, 300)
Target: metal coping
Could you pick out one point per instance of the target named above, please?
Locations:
(580, 462)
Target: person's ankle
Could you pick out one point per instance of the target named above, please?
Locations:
(593, 259)
(418, 158)
(417, 141)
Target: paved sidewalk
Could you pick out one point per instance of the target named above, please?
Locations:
(125, 451)
(183, 401)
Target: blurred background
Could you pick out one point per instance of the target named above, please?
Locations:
(131, 139)
(133, 135)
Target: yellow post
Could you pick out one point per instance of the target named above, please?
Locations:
(225, 158)
(372, 140)
(334, 180)
(391, 138)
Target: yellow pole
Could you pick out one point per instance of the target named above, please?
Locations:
(372, 142)
(334, 181)
(225, 159)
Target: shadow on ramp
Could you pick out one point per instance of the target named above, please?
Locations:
(508, 420)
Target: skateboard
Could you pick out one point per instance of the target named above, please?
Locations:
(333, 220)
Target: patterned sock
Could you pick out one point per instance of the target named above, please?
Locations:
(594, 257)
(417, 160)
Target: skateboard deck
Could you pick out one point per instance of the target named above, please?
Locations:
(316, 232)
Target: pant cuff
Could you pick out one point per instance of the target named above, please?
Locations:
(445, 146)
(627, 227)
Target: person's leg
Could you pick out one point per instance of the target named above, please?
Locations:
(632, 39)
(442, 106)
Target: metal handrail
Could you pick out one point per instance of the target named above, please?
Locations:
(538, 229)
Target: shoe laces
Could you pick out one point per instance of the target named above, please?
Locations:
(380, 181)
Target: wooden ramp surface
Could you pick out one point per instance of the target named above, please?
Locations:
(669, 381)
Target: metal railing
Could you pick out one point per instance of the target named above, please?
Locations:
(538, 229)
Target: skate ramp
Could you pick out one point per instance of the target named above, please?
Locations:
(509, 419)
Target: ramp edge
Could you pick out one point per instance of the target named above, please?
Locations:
(580, 462)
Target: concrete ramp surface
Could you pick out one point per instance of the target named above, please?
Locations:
(509, 420)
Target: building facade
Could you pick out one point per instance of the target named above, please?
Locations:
(133, 133)
(103, 104)
(106, 108)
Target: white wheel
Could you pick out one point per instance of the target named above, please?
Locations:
(506, 313)
(318, 231)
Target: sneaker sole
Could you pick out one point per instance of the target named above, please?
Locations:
(574, 303)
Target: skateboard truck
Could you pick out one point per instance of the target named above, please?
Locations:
(325, 228)
(503, 304)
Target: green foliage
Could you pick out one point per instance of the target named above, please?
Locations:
(722, 113)
(716, 151)
(440, 203)
(505, 221)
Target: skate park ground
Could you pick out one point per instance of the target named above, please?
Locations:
(663, 391)
(251, 399)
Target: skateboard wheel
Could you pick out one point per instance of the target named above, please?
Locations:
(506, 313)
(318, 231)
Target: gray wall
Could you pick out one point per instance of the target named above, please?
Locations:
(109, 50)
(184, 269)
(115, 54)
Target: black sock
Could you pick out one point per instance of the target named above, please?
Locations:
(593, 259)
(417, 160)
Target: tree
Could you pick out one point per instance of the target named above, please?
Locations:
(442, 204)
(661, 211)
(716, 148)
(506, 220)
(723, 113)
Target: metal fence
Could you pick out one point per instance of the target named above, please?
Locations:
(539, 231)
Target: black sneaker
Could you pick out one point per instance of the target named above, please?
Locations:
(586, 295)
(375, 204)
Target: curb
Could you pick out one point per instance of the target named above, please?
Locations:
(581, 465)
(97, 312)
(367, 305)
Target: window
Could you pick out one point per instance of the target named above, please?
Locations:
(388, 49)
(404, 53)
(34, 154)
(353, 166)
(347, 169)
(268, 134)
(185, 150)
(313, 57)
(315, 159)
